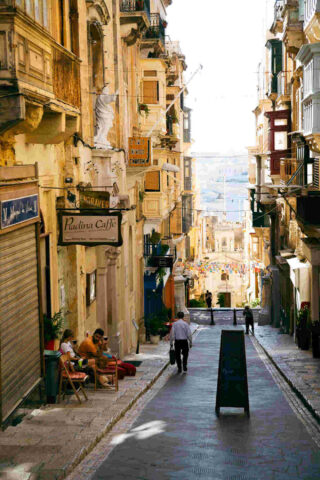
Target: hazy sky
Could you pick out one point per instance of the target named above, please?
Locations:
(227, 38)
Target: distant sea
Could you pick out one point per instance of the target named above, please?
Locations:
(218, 176)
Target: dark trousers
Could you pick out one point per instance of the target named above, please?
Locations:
(181, 346)
(249, 321)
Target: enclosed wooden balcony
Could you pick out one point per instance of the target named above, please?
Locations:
(40, 82)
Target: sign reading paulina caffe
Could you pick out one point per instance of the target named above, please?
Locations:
(90, 228)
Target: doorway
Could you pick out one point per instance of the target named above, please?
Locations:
(226, 299)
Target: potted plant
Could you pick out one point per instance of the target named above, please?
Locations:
(52, 329)
(315, 339)
(143, 107)
(155, 324)
(303, 328)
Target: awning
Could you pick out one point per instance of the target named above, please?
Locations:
(168, 167)
(294, 264)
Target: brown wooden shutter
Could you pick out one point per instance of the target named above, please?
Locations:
(152, 182)
(150, 92)
(20, 367)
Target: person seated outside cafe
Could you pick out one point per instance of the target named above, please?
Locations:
(68, 347)
(96, 345)
(91, 349)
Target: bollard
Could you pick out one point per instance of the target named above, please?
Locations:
(234, 316)
(212, 319)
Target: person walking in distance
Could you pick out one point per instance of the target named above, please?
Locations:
(248, 314)
(181, 336)
(208, 298)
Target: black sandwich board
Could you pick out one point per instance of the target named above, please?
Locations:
(232, 387)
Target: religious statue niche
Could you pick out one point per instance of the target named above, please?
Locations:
(104, 118)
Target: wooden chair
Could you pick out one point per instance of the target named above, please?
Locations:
(68, 376)
(111, 371)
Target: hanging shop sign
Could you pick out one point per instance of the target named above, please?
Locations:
(19, 210)
(139, 152)
(90, 228)
(161, 261)
(93, 199)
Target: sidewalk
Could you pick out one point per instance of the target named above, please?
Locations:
(52, 440)
(299, 368)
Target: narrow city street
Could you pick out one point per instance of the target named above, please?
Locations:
(173, 432)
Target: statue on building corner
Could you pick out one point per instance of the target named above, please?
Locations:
(104, 118)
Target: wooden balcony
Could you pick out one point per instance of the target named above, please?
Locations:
(66, 76)
(38, 78)
(288, 167)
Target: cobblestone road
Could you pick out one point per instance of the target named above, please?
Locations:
(173, 432)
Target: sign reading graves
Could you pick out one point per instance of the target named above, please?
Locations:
(232, 387)
(90, 228)
(93, 199)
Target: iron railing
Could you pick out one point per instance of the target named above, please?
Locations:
(157, 28)
(135, 6)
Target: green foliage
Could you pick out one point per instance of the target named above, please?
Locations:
(255, 303)
(221, 300)
(164, 249)
(155, 322)
(304, 319)
(53, 326)
(155, 237)
(142, 194)
(161, 273)
(193, 303)
(143, 107)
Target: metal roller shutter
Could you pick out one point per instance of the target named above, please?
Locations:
(20, 367)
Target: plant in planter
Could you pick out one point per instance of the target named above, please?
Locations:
(143, 107)
(303, 328)
(52, 328)
(154, 325)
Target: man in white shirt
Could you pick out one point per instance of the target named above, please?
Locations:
(182, 337)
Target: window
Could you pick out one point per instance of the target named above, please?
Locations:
(224, 276)
(37, 9)
(150, 92)
(150, 73)
(152, 182)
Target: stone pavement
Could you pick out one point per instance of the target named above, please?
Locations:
(297, 366)
(52, 440)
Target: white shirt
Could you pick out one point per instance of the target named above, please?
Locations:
(66, 347)
(180, 331)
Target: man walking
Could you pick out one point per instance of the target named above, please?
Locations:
(247, 313)
(181, 336)
(208, 298)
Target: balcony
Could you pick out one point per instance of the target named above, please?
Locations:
(284, 87)
(134, 19)
(259, 218)
(278, 16)
(37, 82)
(279, 142)
(134, 8)
(288, 167)
(66, 76)
(156, 31)
(312, 20)
(275, 66)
